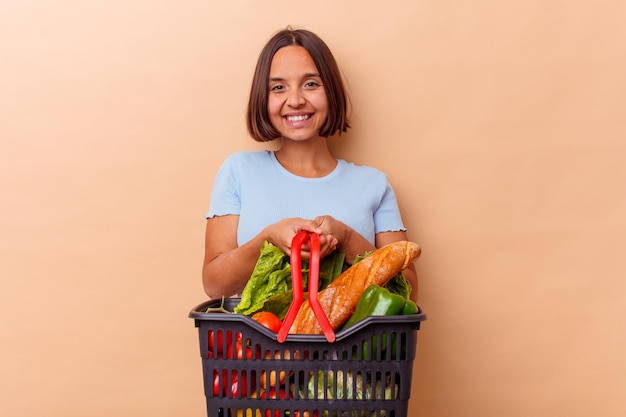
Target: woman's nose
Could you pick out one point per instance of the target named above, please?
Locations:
(295, 98)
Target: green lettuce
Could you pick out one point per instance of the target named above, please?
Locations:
(271, 276)
(269, 287)
(399, 285)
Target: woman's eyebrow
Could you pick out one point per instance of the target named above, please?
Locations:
(306, 75)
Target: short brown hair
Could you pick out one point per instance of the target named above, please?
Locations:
(258, 121)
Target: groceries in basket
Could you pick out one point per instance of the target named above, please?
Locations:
(261, 370)
(340, 289)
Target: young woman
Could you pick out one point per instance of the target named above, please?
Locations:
(297, 96)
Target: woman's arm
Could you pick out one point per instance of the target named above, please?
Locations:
(227, 267)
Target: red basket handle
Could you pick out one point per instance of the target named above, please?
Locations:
(314, 275)
(298, 293)
(296, 282)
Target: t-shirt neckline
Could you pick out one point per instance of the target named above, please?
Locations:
(285, 171)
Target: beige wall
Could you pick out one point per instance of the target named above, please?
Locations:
(500, 125)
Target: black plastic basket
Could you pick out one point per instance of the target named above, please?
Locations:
(366, 372)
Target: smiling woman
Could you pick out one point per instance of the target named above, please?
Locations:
(297, 103)
(324, 68)
(500, 125)
(297, 96)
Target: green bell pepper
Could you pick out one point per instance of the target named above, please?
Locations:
(410, 308)
(376, 301)
(379, 301)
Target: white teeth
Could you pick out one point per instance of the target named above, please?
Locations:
(297, 118)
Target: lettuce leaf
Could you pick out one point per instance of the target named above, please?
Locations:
(271, 276)
(399, 285)
(269, 287)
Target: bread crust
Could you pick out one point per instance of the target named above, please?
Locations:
(340, 297)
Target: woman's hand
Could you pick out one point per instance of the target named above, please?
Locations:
(334, 229)
(281, 234)
(348, 240)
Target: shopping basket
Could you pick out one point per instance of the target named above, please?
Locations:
(365, 372)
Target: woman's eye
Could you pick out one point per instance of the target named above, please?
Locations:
(277, 88)
(312, 84)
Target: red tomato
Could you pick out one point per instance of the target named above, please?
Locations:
(240, 350)
(217, 383)
(282, 394)
(220, 384)
(216, 341)
(213, 339)
(229, 344)
(269, 320)
(239, 382)
(305, 413)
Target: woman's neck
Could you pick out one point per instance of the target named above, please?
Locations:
(310, 159)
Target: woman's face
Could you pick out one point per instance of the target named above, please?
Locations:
(297, 102)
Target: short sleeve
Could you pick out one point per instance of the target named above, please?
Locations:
(387, 217)
(225, 194)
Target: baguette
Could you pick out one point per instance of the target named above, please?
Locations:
(340, 297)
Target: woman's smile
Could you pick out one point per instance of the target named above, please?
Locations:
(298, 118)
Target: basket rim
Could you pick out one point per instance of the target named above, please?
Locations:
(199, 315)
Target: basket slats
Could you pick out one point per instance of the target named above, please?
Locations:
(366, 372)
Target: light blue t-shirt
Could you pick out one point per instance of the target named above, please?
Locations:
(255, 186)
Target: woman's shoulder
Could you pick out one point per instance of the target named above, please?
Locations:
(247, 158)
(249, 155)
(244, 163)
(361, 170)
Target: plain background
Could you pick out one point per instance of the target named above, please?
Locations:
(500, 124)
